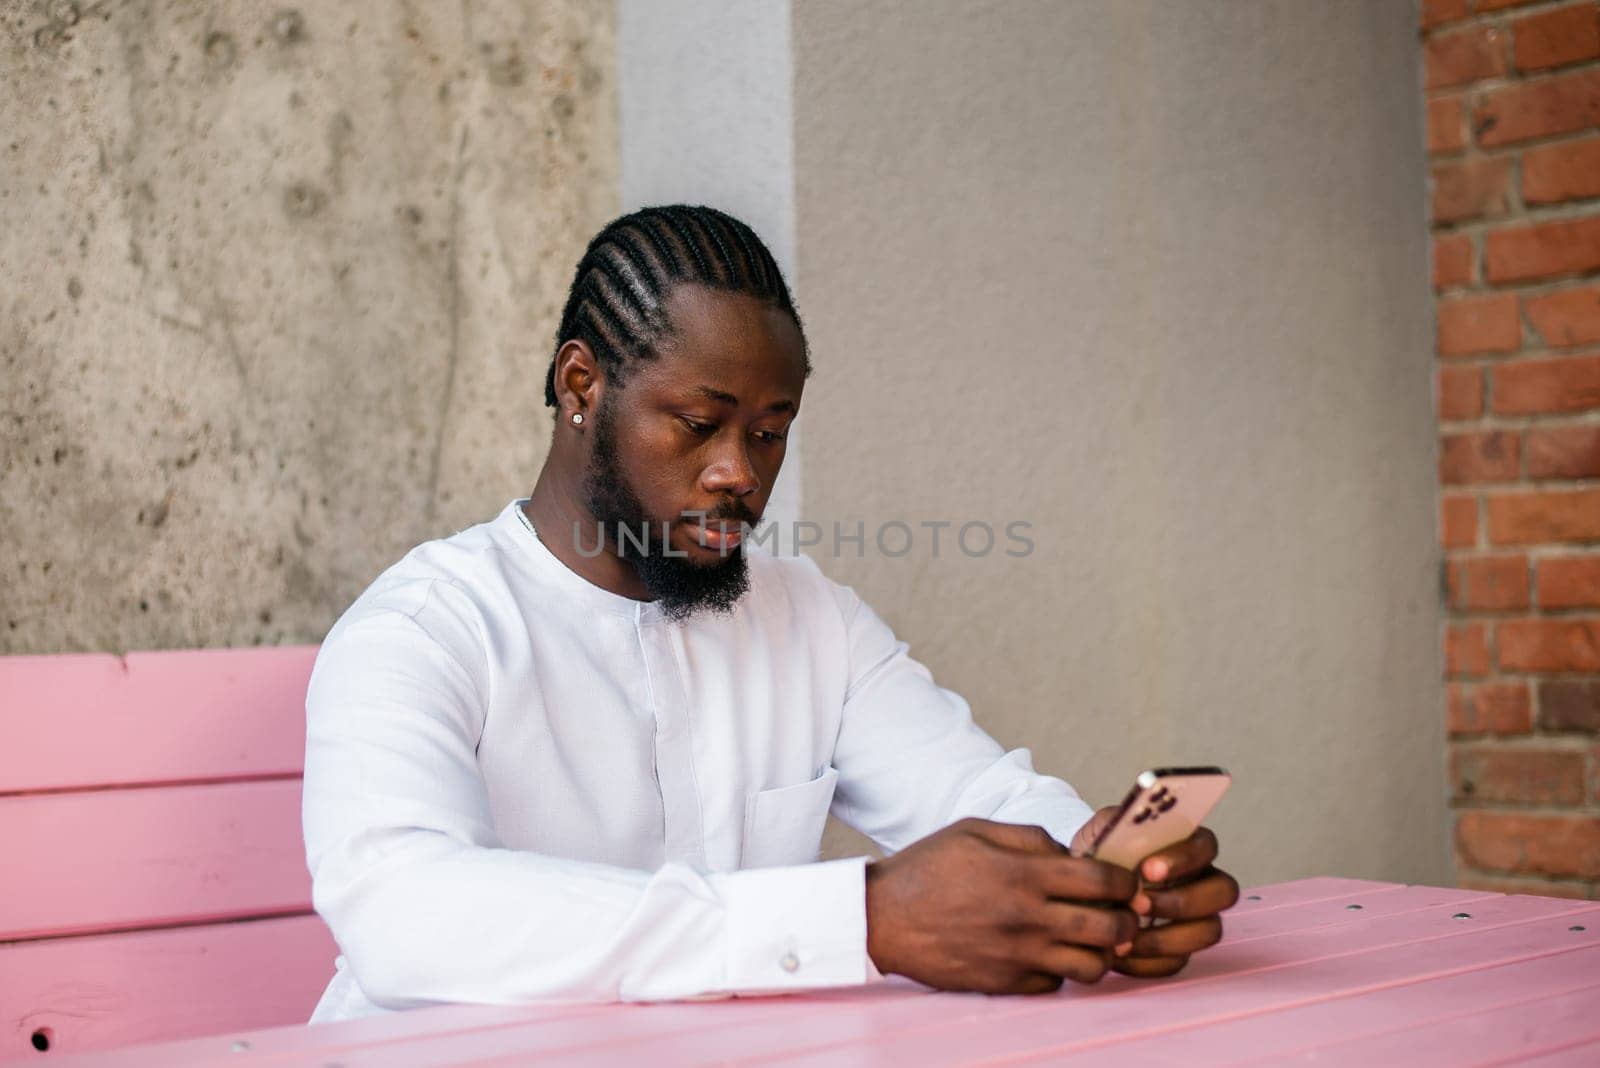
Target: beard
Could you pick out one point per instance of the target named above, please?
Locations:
(679, 586)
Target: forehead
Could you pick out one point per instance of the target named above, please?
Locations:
(731, 342)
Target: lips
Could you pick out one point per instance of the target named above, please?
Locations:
(721, 535)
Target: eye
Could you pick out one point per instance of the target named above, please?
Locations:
(698, 428)
(769, 437)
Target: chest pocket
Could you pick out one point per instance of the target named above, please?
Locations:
(784, 826)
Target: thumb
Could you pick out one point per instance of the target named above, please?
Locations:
(1084, 839)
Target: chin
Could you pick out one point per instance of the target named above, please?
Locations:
(705, 582)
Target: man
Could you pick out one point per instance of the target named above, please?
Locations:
(586, 749)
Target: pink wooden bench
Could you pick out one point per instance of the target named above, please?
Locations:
(155, 889)
(1321, 971)
(155, 884)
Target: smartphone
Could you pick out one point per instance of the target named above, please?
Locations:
(1165, 806)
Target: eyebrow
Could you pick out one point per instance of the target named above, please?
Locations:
(728, 398)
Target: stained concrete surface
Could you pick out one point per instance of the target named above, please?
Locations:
(279, 286)
(1152, 276)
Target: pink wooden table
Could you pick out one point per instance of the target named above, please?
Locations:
(1331, 971)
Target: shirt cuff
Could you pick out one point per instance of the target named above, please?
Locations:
(797, 928)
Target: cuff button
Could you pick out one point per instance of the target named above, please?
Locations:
(789, 963)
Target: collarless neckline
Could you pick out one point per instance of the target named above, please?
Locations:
(515, 525)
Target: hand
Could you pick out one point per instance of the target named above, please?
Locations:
(997, 908)
(1178, 885)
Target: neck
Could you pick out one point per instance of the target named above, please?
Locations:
(556, 511)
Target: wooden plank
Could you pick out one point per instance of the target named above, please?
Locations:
(1346, 908)
(1272, 1036)
(949, 1029)
(419, 1036)
(92, 719)
(107, 990)
(331, 1042)
(322, 1043)
(1582, 1055)
(753, 1028)
(1372, 931)
(416, 1037)
(893, 1025)
(632, 1034)
(1378, 955)
(662, 1028)
(1495, 1036)
(116, 859)
(1303, 891)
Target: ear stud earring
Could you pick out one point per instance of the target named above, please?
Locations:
(577, 418)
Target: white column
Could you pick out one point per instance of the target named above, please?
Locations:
(707, 118)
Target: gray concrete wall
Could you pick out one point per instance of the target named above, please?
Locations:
(280, 284)
(1153, 277)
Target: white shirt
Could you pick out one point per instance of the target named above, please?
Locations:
(521, 787)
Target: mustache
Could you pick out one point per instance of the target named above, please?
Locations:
(732, 512)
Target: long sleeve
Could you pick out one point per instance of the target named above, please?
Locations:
(911, 760)
(428, 906)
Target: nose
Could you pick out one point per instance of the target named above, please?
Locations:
(730, 471)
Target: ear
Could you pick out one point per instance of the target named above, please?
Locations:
(579, 381)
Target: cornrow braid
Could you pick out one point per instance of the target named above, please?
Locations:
(617, 302)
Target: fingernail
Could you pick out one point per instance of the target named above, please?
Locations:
(1141, 904)
(1155, 870)
(1124, 949)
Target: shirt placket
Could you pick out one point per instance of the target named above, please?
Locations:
(674, 747)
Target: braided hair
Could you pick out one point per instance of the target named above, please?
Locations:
(616, 304)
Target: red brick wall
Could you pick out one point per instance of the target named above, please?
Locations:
(1512, 90)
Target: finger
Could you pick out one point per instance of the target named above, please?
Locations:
(1177, 939)
(1195, 853)
(1071, 962)
(1149, 967)
(1035, 983)
(1206, 896)
(1023, 839)
(1088, 925)
(1081, 879)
